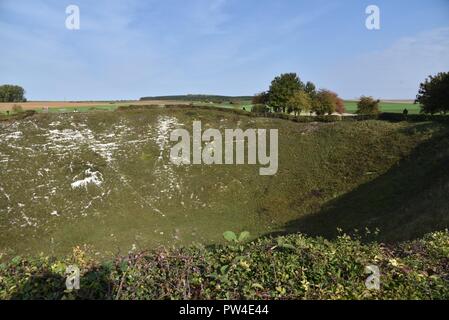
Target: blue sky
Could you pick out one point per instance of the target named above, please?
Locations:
(125, 50)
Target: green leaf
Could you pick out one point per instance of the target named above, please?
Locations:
(288, 246)
(257, 286)
(283, 245)
(123, 266)
(224, 269)
(16, 260)
(229, 236)
(108, 265)
(243, 236)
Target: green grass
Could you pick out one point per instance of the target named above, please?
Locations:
(236, 106)
(81, 109)
(152, 230)
(351, 107)
(351, 175)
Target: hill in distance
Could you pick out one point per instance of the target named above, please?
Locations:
(199, 98)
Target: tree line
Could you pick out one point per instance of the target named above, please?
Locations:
(288, 94)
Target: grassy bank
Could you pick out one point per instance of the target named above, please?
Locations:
(352, 175)
(292, 267)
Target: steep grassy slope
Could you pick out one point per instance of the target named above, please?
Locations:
(104, 179)
(404, 202)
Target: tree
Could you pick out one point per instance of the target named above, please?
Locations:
(324, 102)
(367, 105)
(310, 88)
(339, 104)
(299, 101)
(259, 108)
(260, 98)
(434, 94)
(12, 93)
(281, 90)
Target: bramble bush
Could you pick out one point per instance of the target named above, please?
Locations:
(289, 267)
(260, 108)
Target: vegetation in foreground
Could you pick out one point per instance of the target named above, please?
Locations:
(291, 267)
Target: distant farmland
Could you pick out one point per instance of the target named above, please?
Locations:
(82, 106)
(350, 105)
(243, 102)
(387, 106)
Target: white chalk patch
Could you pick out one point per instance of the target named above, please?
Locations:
(14, 135)
(92, 177)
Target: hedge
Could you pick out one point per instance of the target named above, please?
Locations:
(413, 117)
(256, 112)
(288, 267)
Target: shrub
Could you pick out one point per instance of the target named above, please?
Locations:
(260, 108)
(17, 108)
(324, 102)
(396, 117)
(17, 116)
(339, 105)
(290, 267)
(363, 117)
(367, 105)
(260, 98)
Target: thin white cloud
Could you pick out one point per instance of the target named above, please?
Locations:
(209, 16)
(396, 71)
(302, 19)
(152, 47)
(51, 61)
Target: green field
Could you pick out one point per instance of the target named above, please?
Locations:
(231, 102)
(62, 109)
(82, 109)
(351, 106)
(103, 179)
(396, 107)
